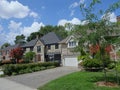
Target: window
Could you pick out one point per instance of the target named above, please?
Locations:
(31, 49)
(49, 47)
(38, 48)
(56, 46)
(72, 44)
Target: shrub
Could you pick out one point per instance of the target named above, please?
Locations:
(29, 57)
(15, 69)
(43, 68)
(7, 69)
(111, 65)
(36, 68)
(89, 63)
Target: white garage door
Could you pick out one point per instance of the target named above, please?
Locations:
(71, 61)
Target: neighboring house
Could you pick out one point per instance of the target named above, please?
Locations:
(5, 52)
(69, 57)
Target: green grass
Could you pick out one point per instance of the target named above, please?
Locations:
(78, 81)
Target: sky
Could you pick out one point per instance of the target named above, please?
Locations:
(26, 16)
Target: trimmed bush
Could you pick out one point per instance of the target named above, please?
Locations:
(15, 69)
(89, 63)
(93, 65)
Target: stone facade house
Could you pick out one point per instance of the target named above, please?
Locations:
(46, 48)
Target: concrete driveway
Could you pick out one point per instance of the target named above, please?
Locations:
(36, 79)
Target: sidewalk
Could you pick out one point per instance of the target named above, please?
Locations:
(10, 85)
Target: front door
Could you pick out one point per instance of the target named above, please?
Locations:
(38, 57)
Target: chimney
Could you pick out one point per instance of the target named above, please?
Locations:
(37, 36)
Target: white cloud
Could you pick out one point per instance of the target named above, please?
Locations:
(82, 1)
(74, 21)
(113, 17)
(33, 28)
(34, 14)
(110, 17)
(13, 9)
(14, 26)
(74, 5)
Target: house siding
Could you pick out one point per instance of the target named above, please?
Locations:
(53, 50)
(42, 56)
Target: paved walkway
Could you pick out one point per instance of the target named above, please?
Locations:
(36, 79)
(10, 85)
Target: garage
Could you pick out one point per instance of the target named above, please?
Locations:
(70, 61)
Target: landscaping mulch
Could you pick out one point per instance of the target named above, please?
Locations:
(107, 84)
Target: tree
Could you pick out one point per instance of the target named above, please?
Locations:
(5, 45)
(34, 35)
(96, 30)
(19, 39)
(16, 54)
(59, 30)
(29, 56)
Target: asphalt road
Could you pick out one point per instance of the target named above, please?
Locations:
(37, 79)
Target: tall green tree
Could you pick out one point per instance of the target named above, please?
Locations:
(19, 39)
(5, 45)
(34, 35)
(59, 30)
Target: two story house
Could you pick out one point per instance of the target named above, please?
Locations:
(46, 48)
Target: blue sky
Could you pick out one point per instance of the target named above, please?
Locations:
(26, 16)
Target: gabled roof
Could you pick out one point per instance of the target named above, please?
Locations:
(66, 40)
(31, 43)
(11, 47)
(50, 38)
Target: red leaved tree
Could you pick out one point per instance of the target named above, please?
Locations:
(95, 48)
(16, 53)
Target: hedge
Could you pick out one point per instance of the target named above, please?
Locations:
(16, 69)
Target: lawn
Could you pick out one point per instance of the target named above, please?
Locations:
(78, 81)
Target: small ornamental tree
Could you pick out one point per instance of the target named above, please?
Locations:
(16, 53)
(29, 56)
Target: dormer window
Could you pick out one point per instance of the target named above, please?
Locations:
(72, 44)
